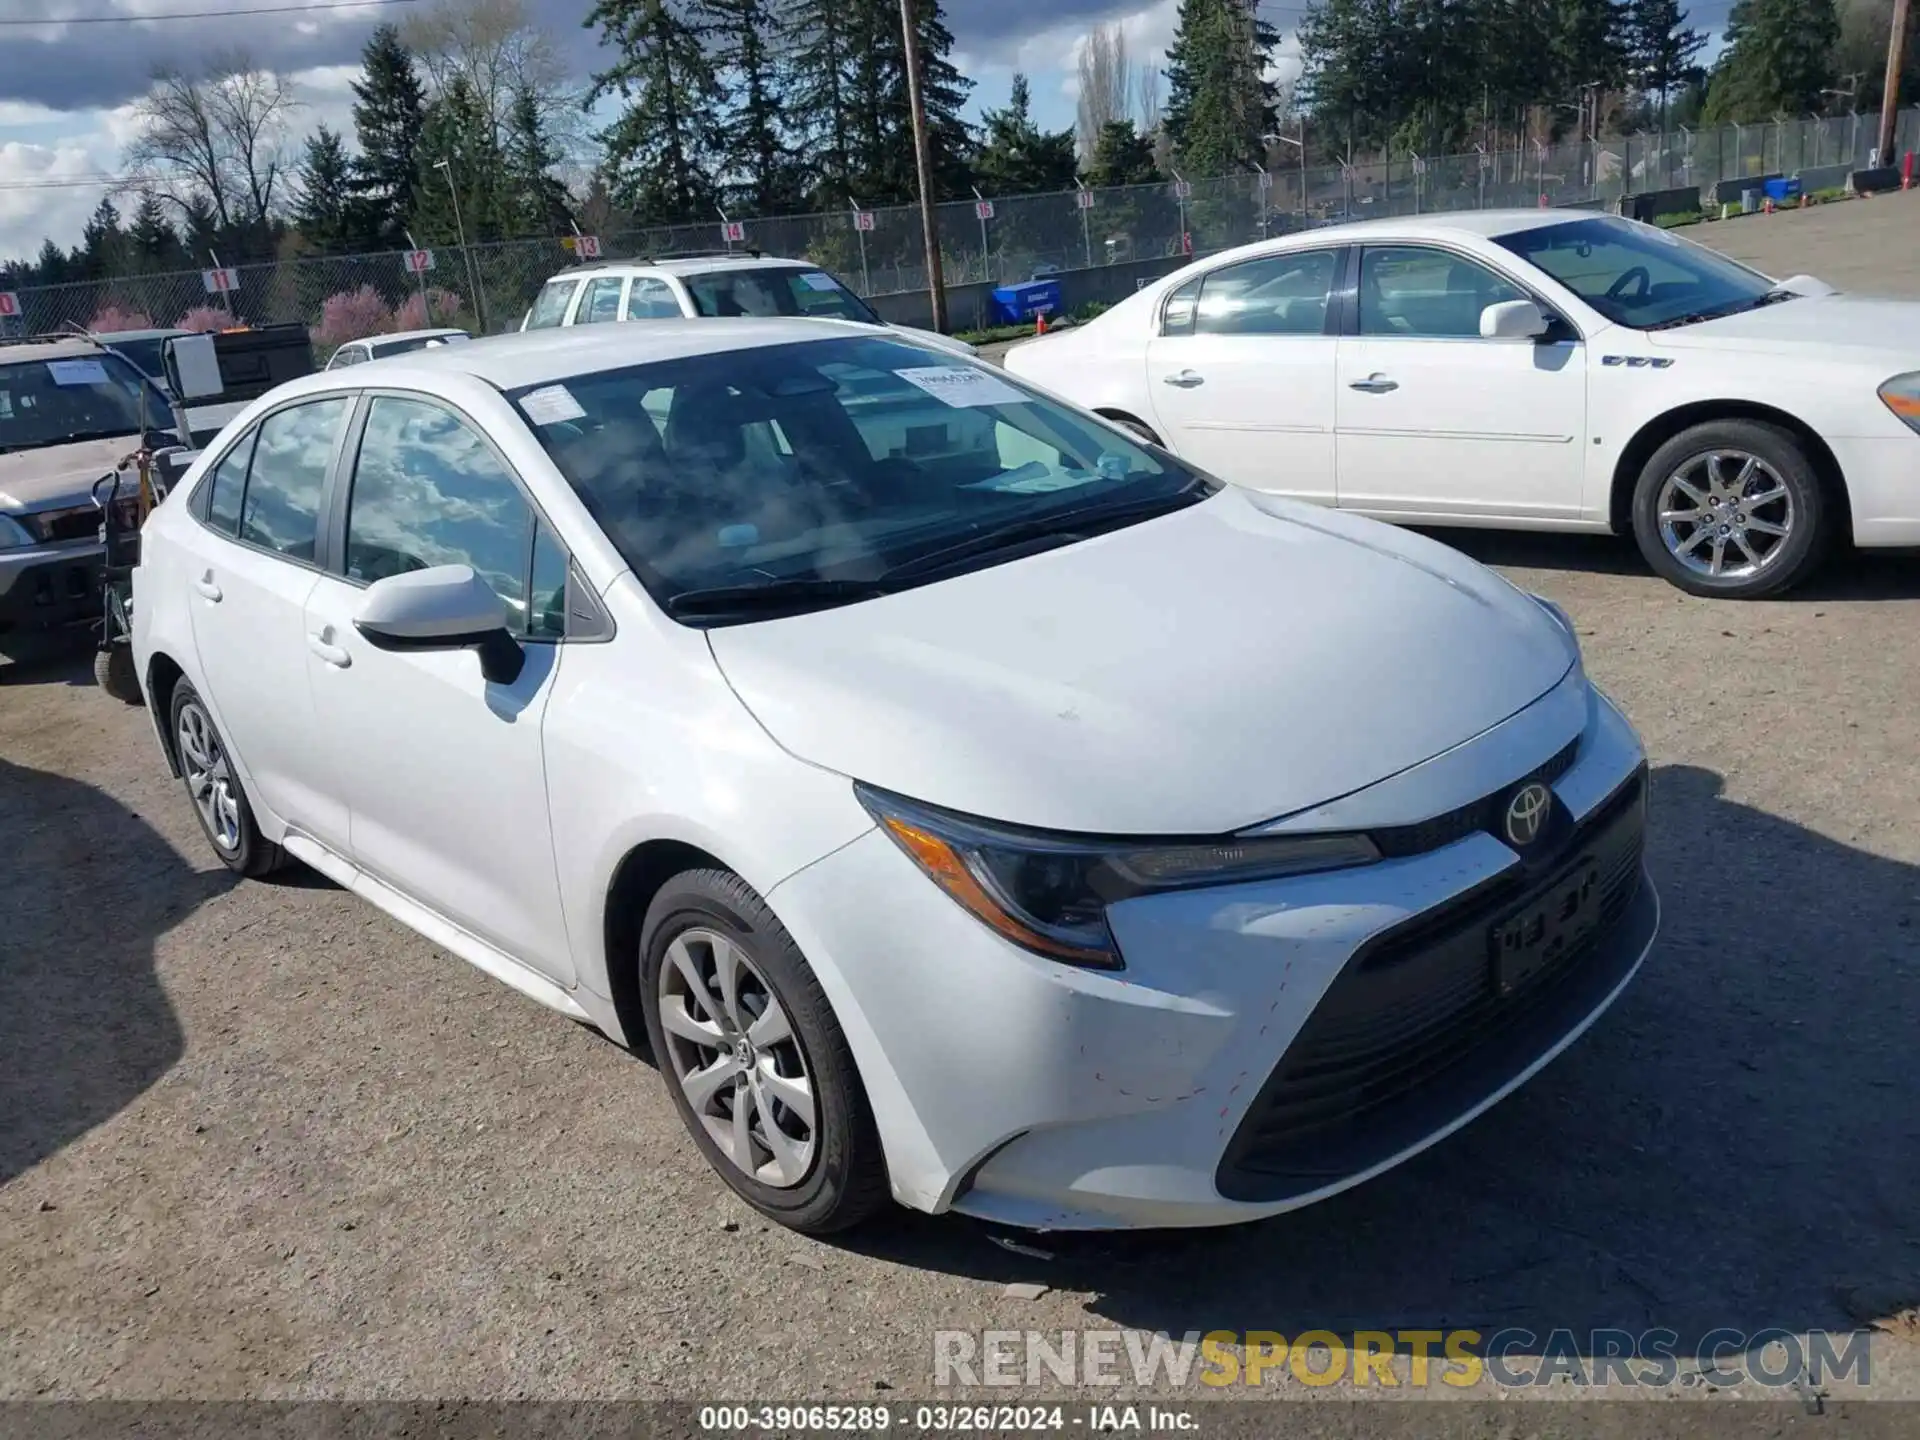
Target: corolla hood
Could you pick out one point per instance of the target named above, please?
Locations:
(1847, 322)
(58, 475)
(1230, 663)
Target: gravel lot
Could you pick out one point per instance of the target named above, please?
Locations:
(256, 1140)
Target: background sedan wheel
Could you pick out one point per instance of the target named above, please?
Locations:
(214, 788)
(758, 1066)
(1731, 508)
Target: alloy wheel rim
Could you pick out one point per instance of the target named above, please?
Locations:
(209, 777)
(736, 1059)
(1725, 514)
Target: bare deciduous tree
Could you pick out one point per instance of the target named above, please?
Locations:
(1146, 100)
(500, 49)
(1106, 84)
(214, 141)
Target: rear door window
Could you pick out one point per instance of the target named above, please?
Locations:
(550, 308)
(651, 300)
(289, 470)
(602, 301)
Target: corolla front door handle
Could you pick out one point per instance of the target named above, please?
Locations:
(333, 654)
(1186, 379)
(206, 586)
(1374, 384)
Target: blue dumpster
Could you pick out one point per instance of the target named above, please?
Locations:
(1784, 191)
(1013, 304)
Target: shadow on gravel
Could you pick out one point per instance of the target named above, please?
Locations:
(1847, 575)
(85, 1028)
(1737, 1143)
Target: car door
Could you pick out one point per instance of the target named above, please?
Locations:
(254, 560)
(600, 305)
(444, 777)
(1241, 373)
(1435, 421)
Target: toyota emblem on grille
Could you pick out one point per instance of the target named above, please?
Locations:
(1527, 814)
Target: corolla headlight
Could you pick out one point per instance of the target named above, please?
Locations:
(1049, 892)
(1901, 395)
(13, 535)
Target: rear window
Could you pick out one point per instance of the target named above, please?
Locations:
(768, 291)
(550, 309)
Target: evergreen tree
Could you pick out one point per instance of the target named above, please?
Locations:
(1661, 50)
(534, 200)
(389, 114)
(53, 266)
(1220, 104)
(663, 148)
(880, 128)
(103, 246)
(818, 37)
(1018, 157)
(1348, 51)
(457, 135)
(1588, 45)
(151, 239)
(324, 211)
(1121, 156)
(761, 175)
(1779, 57)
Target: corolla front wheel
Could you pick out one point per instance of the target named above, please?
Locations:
(759, 1069)
(214, 788)
(1731, 508)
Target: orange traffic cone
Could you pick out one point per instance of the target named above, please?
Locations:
(1040, 323)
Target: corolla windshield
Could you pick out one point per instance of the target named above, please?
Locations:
(766, 291)
(742, 483)
(1640, 276)
(80, 397)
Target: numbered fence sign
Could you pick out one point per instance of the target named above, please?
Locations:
(1265, 181)
(863, 220)
(1182, 189)
(9, 304)
(1083, 198)
(587, 247)
(734, 230)
(419, 261)
(220, 282)
(983, 209)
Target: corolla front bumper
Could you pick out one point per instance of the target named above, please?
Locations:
(1268, 1044)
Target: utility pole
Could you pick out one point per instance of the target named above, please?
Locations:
(1890, 97)
(923, 165)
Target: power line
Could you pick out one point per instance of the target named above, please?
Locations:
(307, 5)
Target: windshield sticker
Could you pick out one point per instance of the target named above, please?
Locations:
(962, 386)
(77, 372)
(551, 405)
(738, 537)
(814, 280)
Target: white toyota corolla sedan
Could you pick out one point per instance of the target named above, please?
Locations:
(964, 802)
(1528, 369)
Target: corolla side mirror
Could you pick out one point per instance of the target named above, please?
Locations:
(1513, 320)
(445, 607)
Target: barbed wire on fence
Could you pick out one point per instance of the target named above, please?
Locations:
(881, 252)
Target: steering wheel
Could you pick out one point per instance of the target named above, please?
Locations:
(1638, 274)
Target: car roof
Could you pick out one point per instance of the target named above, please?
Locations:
(54, 347)
(399, 335)
(535, 357)
(686, 265)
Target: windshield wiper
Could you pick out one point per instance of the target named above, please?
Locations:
(1695, 317)
(798, 592)
(1063, 526)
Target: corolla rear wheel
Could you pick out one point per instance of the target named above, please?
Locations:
(759, 1069)
(1731, 509)
(214, 787)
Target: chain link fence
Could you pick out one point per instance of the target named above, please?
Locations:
(488, 287)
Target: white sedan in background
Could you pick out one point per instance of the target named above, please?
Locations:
(915, 763)
(1527, 370)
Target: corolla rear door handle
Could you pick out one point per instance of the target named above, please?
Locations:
(206, 586)
(1374, 384)
(334, 655)
(1186, 379)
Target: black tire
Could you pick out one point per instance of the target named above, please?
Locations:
(250, 853)
(1790, 560)
(1136, 428)
(846, 1181)
(114, 673)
